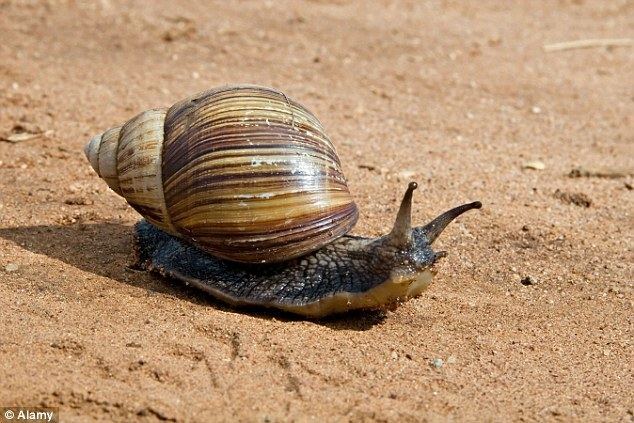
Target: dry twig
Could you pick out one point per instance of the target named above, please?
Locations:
(589, 43)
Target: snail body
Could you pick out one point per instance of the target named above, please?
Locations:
(243, 196)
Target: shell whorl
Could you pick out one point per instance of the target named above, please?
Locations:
(243, 172)
(128, 158)
(101, 152)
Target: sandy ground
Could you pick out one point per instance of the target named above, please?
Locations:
(457, 95)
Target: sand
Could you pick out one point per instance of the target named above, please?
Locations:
(459, 96)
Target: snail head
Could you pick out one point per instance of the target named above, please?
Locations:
(410, 248)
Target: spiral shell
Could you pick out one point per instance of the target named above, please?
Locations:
(242, 172)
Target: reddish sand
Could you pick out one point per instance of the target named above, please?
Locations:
(459, 96)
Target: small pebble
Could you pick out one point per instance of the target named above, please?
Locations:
(536, 110)
(451, 359)
(577, 198)
(535, 165)
(78, 201)
(437, 363)
(11, 267)
(528, 281)
(19, 137)
(367, 167)
(405, 175)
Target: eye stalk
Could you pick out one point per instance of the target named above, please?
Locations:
(434, 228)
(401, 235)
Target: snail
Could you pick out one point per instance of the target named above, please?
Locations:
(243, 196)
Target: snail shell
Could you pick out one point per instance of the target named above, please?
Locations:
(242, 172)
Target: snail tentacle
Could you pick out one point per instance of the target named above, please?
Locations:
(401, 234)
(434, 228)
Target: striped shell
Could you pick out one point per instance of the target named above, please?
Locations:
(242, 172)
